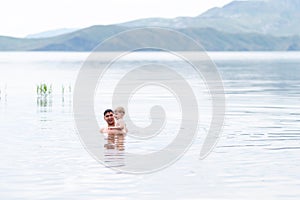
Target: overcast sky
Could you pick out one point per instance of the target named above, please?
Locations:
(19, 18)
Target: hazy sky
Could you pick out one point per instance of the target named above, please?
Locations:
(19, 18)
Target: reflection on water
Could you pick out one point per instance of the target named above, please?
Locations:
(66, 96)
(114, 150)
(3, 92)
(45, 98)
(115, 141)
(256, 157)
(66, 101)
(44, 103)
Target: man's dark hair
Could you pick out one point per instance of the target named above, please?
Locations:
(107, 111)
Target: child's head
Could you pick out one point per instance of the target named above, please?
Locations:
(119, 112)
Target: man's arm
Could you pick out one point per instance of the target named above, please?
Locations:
(120, 125)
(103, 130)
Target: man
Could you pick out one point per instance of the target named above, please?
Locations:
(110, 120)
(114, 140)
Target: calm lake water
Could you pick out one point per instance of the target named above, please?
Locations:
(257, 155)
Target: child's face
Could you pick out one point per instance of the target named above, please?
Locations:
(118, 115)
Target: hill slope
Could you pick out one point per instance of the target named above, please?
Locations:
(212, 40)
(273, 17)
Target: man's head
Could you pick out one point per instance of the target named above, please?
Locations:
(109, 117)
(119, 112)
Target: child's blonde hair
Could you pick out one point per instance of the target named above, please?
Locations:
(120, 109)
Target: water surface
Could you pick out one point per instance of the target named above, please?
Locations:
(257, 155)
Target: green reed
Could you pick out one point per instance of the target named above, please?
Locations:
(45, 94)
(44, 89)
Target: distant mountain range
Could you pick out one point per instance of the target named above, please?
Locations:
(52, 33)
(238, 26)
(268, 17)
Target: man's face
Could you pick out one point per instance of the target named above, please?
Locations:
(109, 118)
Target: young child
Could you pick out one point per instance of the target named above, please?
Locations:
(120, 124)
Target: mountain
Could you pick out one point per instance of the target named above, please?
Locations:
(260, 25)
(87, 39)
(52, 33)
(272, 17)
(82, 40)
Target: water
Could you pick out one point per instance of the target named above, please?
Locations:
(257, 155)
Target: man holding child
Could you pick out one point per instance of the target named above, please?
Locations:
(116, 128)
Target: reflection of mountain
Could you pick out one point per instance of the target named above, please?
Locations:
(240, 25)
